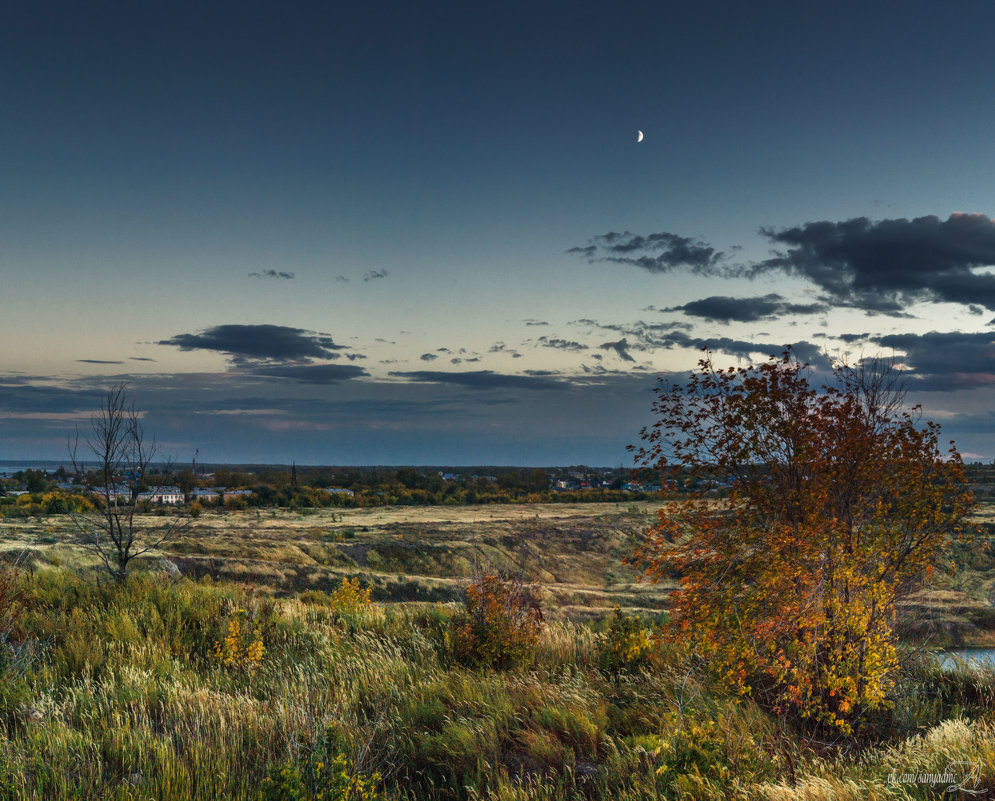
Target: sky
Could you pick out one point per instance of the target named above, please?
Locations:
(425, 233)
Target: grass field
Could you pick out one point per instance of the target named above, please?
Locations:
(575, 551)
(152, 689)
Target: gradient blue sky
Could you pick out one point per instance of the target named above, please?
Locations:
(394, 233)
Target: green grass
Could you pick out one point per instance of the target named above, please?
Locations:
(112, 691)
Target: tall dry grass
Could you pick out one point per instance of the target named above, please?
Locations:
(124, 697)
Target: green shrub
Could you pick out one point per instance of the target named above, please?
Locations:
(625, 646)
(321, 773)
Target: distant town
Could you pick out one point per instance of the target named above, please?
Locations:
(48, 487)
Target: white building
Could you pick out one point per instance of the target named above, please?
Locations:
(163, 495)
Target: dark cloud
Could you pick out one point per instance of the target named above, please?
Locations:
(946, 361)
(481, 379)
(311, 373)
(341, 279)
(141, 359)
(656, 253)
(255, 342)
(428, 357)
(561, 344)
(740, 348)
(725, 309)
(373, 275)
(812, 354)
(536, 322)
(747, 350)
(98, 361)
(621, 347)
(887, 265)
(272, 274)
(20, 398)
(881, 267)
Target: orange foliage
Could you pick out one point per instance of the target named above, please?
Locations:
(837, 502)
(500, 624)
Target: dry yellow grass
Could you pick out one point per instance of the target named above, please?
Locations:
(409, 553)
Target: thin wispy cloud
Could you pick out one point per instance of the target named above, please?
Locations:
(311, 373)
(621, 347)
(561, 344)
(272, 274)
(656, 253)
(500, 347)
(481, 379)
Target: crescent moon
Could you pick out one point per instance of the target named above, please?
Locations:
(639, 136)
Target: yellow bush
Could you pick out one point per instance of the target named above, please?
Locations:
(242, 647)
(351, 597)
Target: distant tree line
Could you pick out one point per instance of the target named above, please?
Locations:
(35, 492)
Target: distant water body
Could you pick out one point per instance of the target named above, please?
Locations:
(14, 467)
(970, 657)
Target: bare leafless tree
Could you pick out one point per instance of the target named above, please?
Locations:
(124, 456)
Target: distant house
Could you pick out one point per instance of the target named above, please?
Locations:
(116, 493)
(210, 495)
(163, 495)
(339, 491)
(232, 494)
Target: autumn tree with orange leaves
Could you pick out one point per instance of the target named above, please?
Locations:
(838, 501)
